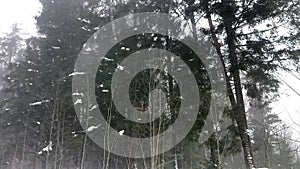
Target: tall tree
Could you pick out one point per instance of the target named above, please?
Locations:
(247, 52)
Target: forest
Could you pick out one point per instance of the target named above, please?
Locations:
(47, 120)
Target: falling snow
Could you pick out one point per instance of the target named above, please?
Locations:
(76, 73)
(78, 101)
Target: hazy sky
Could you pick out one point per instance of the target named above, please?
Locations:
(288, 105)
(23, 12)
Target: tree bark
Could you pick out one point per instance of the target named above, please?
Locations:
(239, 113)
(214, 151)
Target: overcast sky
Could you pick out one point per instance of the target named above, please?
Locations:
(23, 12)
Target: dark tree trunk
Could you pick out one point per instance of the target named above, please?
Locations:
(227, 14)
(214, 151)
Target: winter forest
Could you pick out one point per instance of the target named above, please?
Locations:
(256, 41)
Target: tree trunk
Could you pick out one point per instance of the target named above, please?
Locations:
(239, 113)
(214, 151)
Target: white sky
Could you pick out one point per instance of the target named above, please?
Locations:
(23, 12)
(288, 105)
